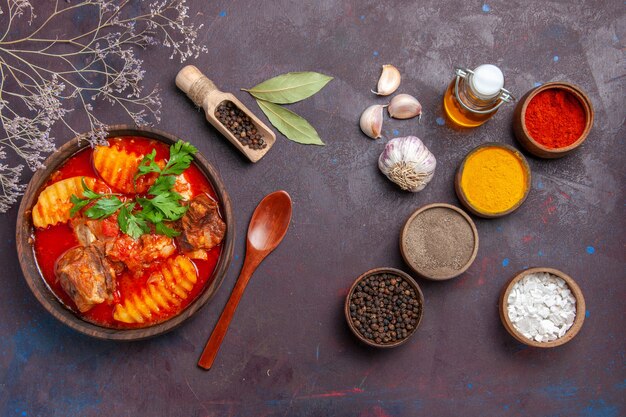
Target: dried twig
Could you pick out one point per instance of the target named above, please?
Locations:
(43, 77)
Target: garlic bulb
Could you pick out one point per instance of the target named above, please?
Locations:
(407, 162)
(389, 81)
(404, 106)
(371, 121)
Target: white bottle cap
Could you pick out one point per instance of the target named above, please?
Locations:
(487, 81)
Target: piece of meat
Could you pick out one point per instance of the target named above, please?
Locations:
(83, 232)
(202, 226)
(88, 231)
(139, 254)
(86, 276)
(156, 247)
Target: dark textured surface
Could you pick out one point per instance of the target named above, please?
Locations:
(288, 351)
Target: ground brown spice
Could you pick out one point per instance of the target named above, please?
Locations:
(439, 242)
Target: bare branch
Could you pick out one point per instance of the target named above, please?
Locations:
(43, 77)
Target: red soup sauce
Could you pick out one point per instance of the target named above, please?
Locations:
(54, 241)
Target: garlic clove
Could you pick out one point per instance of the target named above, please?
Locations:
(404, 106)
(371, 121)
(389, 81)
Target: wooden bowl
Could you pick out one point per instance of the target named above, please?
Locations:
(404, 250)
(36, 282)
(571, 332)
(461, 194)
(536, 148)
(377, 271)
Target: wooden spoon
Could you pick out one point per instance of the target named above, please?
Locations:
(267, 229)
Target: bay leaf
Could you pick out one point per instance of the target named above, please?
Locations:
(289, 88)
(294, 127)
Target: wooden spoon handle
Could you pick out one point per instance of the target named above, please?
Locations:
(219, 332)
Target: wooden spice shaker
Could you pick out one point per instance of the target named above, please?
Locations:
(203, 92)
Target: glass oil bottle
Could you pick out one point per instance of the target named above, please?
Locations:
(473, 97)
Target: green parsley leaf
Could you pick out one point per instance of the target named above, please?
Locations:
(168, 204)
(181, 155)
(78, 204)
(147, 165)
(162, 229)
(163, 184)
(152, 215)
(130, 224)
(104, 207)
(88, 192)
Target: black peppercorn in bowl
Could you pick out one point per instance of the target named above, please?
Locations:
(384, 307)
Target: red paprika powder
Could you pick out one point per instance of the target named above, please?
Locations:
(555, 118)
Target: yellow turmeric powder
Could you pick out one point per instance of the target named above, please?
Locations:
(494, 179)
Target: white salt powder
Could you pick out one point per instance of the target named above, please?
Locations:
(541, 307)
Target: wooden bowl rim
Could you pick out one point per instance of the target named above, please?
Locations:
(376, 271)
(582, 98)
(38, 284)
(461, 193)
(571, 332)
(403, 249)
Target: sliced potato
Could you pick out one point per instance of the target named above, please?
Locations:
(161, 295)
(116, 167)
(54, 205)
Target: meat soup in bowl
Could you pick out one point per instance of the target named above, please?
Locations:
(130, 238)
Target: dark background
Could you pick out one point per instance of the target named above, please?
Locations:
(288, 351)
